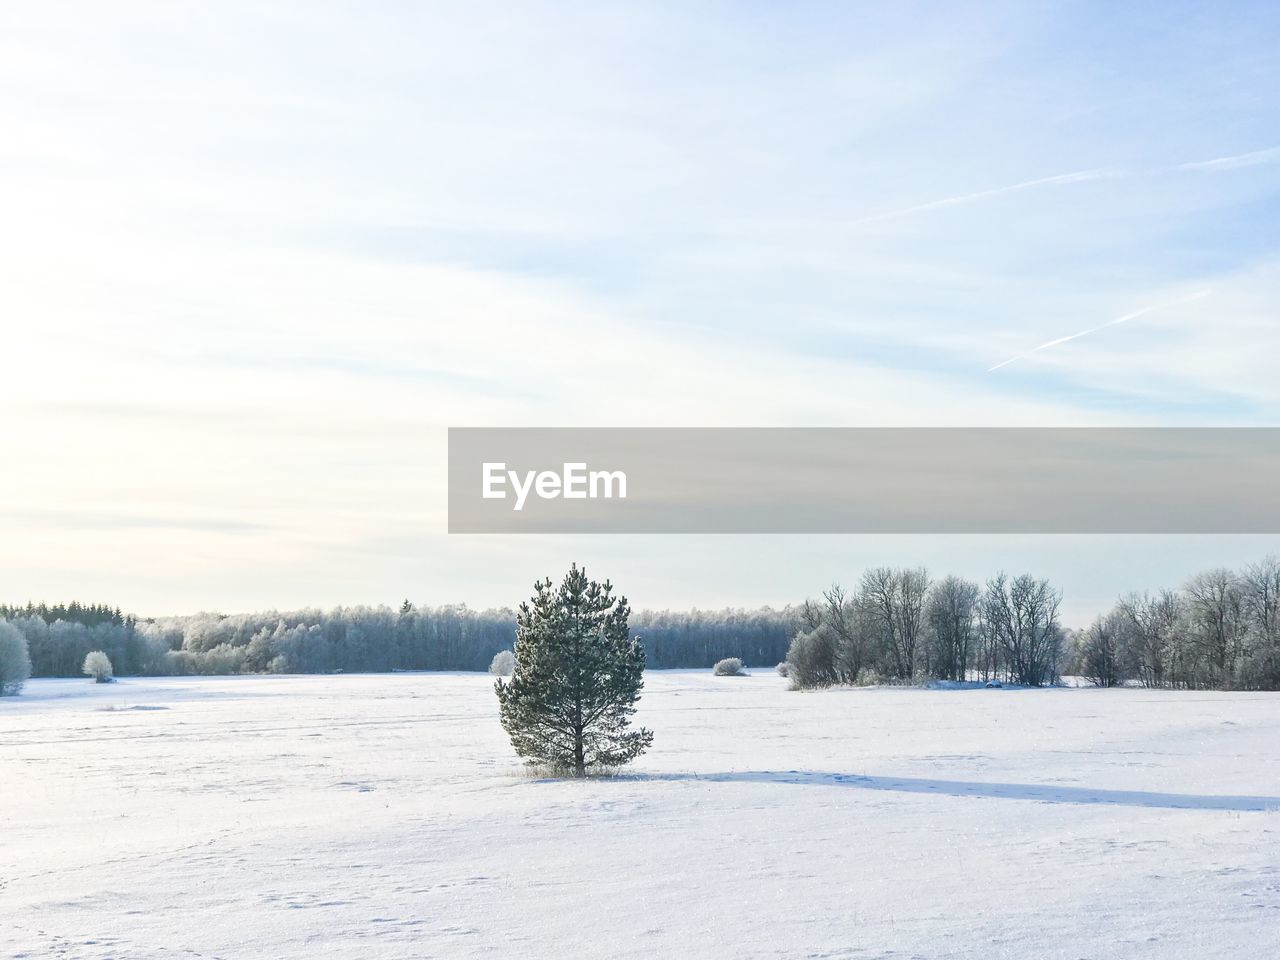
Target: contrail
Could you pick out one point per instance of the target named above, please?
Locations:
(1080, 175)
(1250, 159)
(1110, 323)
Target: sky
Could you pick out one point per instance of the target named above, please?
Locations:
(255, 259)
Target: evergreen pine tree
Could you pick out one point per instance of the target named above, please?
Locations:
(578, 675)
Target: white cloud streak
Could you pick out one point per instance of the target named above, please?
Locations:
(253, 287)
(1253, 158)
(1102, 326)
(1078, 176)
(1218, 164)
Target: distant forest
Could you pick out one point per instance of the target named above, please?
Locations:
(359, 639)
(1219, 630)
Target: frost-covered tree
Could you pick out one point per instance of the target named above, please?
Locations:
(951, 614)
(97, 665)
(1216, 625)
(729, 667)
(1155, 625)
(365, 639)
(504, 662)
(1102, 651)
(15, 663)
(1020, 619)
(578, 674)
(893, 600)
(1261, 585)
(835, 644)
(698, 638)
(814, 658)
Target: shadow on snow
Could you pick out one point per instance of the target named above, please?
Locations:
(1043, 793)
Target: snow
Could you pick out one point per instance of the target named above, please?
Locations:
(385, 816)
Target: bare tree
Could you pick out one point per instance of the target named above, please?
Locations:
(849, 639)
(832, 646)
(1215, 613)
(952, 617)
(1103, 650)
(894, 602)
(1260, 584)
(1021, 617)
(1156, 648)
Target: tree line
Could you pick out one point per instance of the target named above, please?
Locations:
(1220, 630)
(357, 639)
(90, 614)
(901, 625)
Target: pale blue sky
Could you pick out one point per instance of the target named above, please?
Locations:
(255, 258)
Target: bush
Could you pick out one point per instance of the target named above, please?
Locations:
(729, 667)
(812, 659)
(784, 669)
(15, 662)
(504, 662)
(98, 666)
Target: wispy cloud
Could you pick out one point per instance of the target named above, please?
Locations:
(1060, 178)
(268, 316)
(1102, 326)
(1251, 159)
(104, 520)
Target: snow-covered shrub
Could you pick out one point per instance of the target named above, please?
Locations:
(504, 662)
(98, 666)
(15, 663)
(225, 659)
(729, 667)
(784, 669)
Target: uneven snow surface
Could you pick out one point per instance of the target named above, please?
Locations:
(385, 816)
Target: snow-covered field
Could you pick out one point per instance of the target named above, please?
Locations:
(385, 816)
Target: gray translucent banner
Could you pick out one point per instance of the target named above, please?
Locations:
(864, 480)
